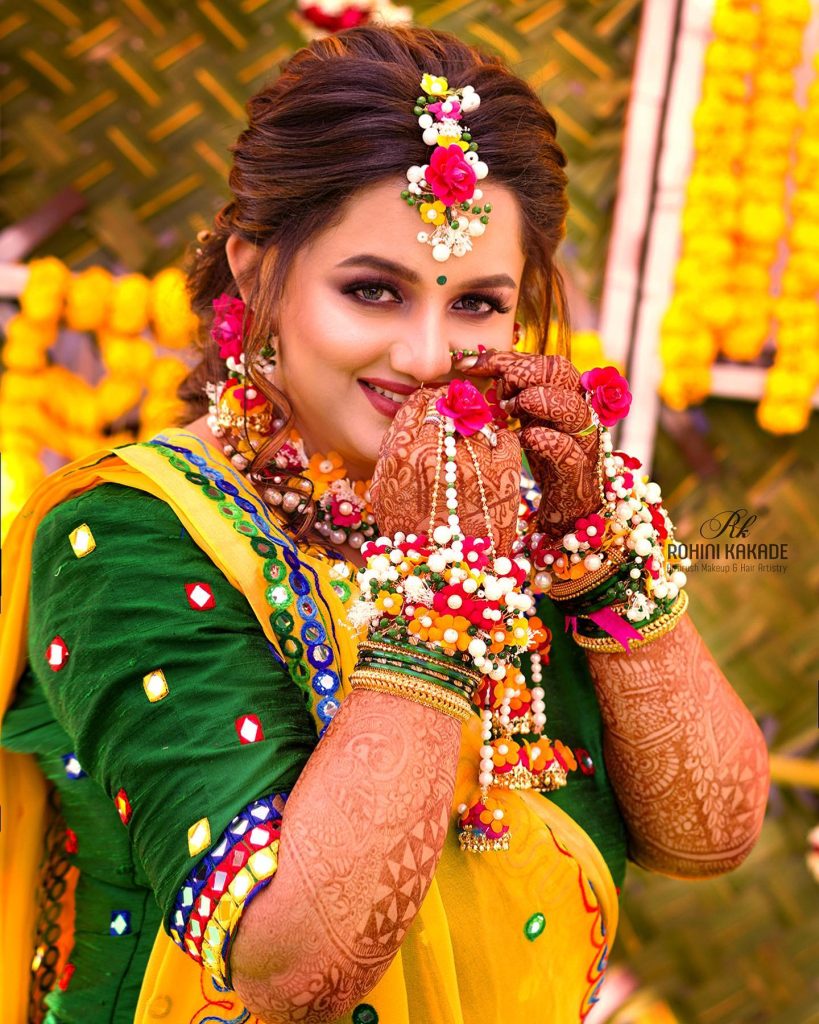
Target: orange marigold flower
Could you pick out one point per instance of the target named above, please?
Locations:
(506, 753)
(540, 753)
(423, 623)
(389, 603)
(453, 633)
(565, 569)
(323, 470)
(565, 755)
(541, 635)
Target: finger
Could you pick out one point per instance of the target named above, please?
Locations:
(552, 446)
(519, 370)
(562, 409)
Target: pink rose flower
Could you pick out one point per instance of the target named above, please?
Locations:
(226, 329)
(450, 177)
(610, 396)
(464, 404)
(349, 17)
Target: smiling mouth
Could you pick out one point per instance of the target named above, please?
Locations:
(392, 395)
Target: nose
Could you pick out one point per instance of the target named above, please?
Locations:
(422, 351)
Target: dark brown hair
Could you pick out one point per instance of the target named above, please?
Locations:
(339, 118)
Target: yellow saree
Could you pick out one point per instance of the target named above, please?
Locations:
(501, 937)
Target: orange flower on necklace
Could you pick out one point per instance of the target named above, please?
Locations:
(361, 488)
(322, 470)
(388, 603)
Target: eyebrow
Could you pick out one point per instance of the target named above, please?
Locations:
(379, 263)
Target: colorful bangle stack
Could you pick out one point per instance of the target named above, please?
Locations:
(656, 628)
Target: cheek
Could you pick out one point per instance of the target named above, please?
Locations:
(324, 328)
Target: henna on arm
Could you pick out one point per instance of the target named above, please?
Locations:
(362, 834)
(687, 760)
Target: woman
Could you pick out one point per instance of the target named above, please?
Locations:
(179, 623)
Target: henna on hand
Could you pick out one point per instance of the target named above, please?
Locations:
(404, 478)
(686, 758)
(545, 393)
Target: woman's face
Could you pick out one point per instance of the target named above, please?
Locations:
(364, 313)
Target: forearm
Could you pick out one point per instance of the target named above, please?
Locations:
(362, 835)
(686, 758)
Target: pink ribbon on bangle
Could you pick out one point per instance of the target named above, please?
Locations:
(611, 623)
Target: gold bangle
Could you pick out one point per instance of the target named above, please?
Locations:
(658, 628)
(565, 591)
(428, 694)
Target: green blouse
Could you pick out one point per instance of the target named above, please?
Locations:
(101, 629)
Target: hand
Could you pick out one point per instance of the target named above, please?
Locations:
(404, 476)
(545, 393)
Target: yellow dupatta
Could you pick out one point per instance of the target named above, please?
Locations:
(471, 955)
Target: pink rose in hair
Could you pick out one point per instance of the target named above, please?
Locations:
(610, 396)
(226, 329)
(450, 176)
(466, 406)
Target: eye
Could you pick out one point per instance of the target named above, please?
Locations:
(494, 304)
(370, 292)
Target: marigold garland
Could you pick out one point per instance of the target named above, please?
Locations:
(735, 218)
(46, 407)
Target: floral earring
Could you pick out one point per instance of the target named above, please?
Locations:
(237, 412)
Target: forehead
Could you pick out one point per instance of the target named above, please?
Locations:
(376, 220)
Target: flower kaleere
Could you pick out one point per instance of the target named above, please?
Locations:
(610, 572)
(444, 190)
(446, 608)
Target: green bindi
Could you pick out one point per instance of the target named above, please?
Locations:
(441, 279)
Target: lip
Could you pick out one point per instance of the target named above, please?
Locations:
(386, 406)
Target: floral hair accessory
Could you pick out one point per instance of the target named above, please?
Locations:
(444, 190)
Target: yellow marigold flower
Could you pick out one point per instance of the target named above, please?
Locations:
(434, 85)
(89, 295)
(130, 304)
(782, 418)
(44, 293)
(125, 355)
(784, 387)
(743, 342)
(432, 213)
(389, 603)
(26, 343)
(174, 322)
(323, 471)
